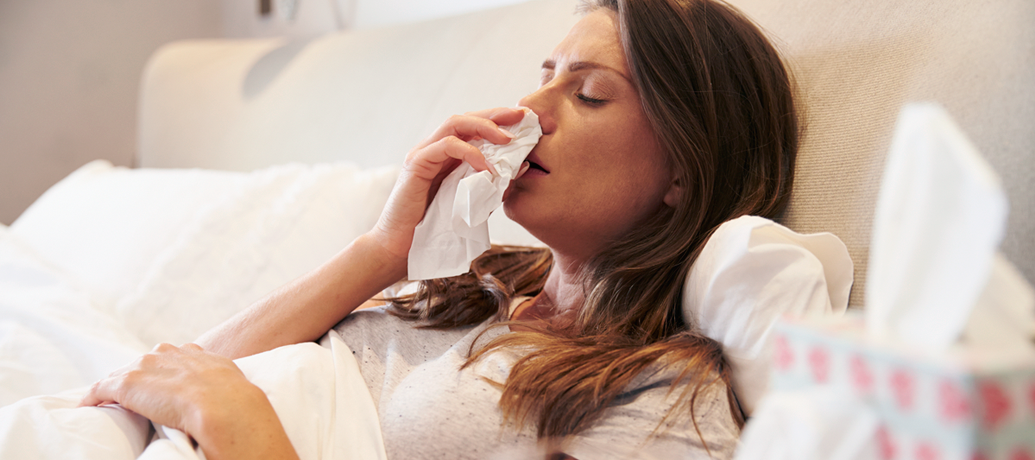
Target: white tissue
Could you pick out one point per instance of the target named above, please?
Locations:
(941, 214)
(454, 230)
(1004, 315)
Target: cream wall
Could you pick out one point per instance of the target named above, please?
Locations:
(372, 13)
(69, 73)
(239, 18)
(315, 17)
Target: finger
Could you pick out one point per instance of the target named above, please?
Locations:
(508, 118)
(429, 161)
(84, 403)
(468, 127)
(101, 393)
(502, 116)
(125, 368)
(89, 400)
(521, 172)
(164, 348)
(192, 347)
(438, 159)
(436, 183)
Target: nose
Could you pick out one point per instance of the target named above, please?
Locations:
(544, 103)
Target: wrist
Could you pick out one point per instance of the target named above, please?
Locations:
(239, 427)
(390, 261)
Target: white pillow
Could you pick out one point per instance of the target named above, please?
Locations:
(105, 225)
(277, 225)
(751, 272)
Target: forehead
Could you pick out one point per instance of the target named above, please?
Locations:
(593, 39)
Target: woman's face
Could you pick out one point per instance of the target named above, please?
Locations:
(598, 170)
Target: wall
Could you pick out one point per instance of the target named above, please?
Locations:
(239, 18)
(318, 17)
(372, 13)
(315, 17)
(69, 73)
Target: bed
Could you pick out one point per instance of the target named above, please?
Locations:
(259, 159)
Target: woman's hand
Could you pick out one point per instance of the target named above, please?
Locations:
(429, 163)
(306, 308)
(202, 394)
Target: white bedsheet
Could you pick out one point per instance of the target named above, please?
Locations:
(316, 390)
(53, 335)
(112, 261)
(61, 329)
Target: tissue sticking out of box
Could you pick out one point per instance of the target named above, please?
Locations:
(1004, 314)
(941, 214)
(455, 230)
(825, 422)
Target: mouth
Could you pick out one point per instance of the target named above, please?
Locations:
(535, 166)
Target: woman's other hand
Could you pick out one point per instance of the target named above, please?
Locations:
(429, 163)
(202, 394)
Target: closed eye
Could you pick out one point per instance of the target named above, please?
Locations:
(589, 100)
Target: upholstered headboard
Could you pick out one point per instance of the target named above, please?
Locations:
(368, 96)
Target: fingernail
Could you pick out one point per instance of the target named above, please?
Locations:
(521, 171)
(491, 169)
(507, 133)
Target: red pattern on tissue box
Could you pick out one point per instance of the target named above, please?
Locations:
(964, 403)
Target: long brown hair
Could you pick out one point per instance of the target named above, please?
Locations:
(720, 104)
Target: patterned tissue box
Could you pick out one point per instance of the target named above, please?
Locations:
(961, 404)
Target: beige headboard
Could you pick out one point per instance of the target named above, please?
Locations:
(369, 96)
(858, 61)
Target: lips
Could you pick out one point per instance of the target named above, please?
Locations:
(535, 165)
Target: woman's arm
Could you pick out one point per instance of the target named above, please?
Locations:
(307, 308)
(204, 394)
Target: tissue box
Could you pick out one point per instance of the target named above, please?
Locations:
(963, 403)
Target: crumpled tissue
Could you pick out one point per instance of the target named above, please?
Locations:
(455, 231)
(938, 294)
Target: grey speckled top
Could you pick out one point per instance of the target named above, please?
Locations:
(431, 409)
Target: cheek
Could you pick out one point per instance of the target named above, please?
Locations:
(641, 178)
(633, 163)
(625, 194)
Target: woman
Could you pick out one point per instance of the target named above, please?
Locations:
(661, 119)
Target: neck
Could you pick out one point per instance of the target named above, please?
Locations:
(563, 292)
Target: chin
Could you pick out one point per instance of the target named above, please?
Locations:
(517, 209)
(509, 209)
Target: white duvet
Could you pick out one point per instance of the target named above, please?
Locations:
(111, 261)
(53, 334)
(316, 390)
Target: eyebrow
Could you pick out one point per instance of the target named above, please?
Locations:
(576, 66)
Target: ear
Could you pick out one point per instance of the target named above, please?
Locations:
(674, 194)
